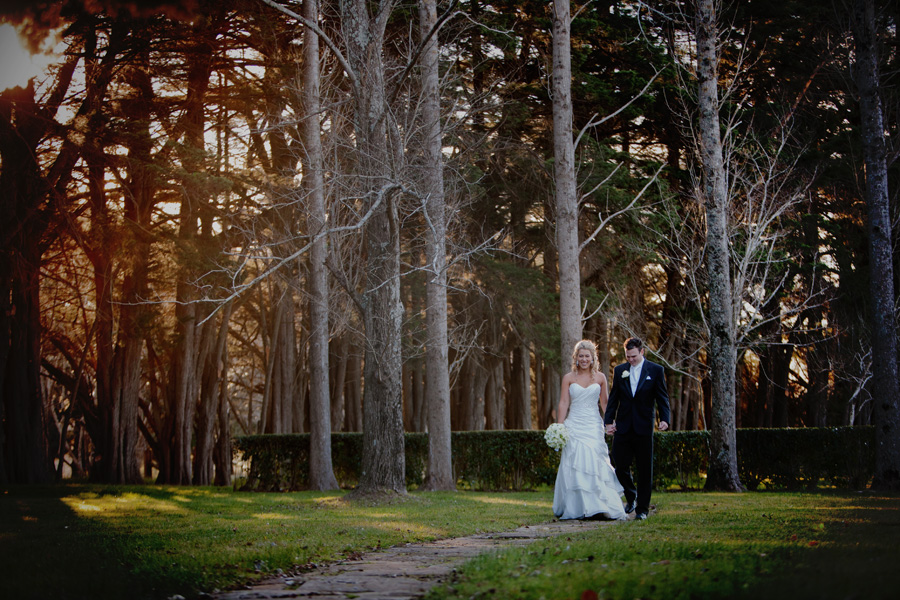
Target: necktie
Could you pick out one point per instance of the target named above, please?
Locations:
(635, 374)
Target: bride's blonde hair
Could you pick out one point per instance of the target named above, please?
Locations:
(590, 347)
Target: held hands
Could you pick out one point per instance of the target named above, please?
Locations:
(611, 428)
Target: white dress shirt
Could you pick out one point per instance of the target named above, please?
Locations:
(636, 377)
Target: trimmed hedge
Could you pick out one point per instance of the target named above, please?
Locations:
(680, 459)
(842, 457)
(280, 462)
(483, 460)
(502, 460)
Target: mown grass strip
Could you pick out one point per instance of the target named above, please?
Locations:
(701, 545)
(98, 542)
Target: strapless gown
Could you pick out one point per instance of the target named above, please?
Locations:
(586, 483)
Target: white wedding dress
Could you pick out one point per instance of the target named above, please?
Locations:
(586, 483)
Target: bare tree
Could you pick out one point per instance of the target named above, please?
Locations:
(723, 473)
(321, 473)
(437, 391)
(383, 467)
(566, 189)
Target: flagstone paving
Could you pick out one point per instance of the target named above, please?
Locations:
(402, 572)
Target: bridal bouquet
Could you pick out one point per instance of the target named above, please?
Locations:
(556, 436)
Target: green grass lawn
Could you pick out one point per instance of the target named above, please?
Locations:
(702, 545)
(85, 541)
(116, 542)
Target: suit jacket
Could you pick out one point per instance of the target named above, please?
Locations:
(637, 412)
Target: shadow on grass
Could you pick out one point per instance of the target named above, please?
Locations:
(785, 545)
(112, 542)
(70, 542)
(50, 551)
(852, 553)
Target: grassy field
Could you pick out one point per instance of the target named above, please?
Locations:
(98, 542)
(115, 542)
(702, 545)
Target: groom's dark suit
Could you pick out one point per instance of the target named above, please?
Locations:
(634, 416)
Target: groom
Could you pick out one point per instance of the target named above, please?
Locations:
(638, 388)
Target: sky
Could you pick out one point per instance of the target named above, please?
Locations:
(17, 65)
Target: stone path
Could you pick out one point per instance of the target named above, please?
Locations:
(402, 572)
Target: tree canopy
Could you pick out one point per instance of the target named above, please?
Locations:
(159, 290)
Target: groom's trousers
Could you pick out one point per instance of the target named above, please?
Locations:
(631, 448)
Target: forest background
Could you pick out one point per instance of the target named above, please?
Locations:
(164, 246)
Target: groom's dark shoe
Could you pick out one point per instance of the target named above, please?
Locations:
(640, 516)
(629, 507)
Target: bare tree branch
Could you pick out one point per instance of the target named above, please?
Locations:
(322, 36)
(379, 198)
(595, 123)
(631, 204)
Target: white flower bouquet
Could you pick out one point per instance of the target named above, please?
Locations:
(556, 436)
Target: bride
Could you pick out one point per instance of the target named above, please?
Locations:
(586, 483)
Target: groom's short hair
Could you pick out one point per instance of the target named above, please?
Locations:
(634, 343)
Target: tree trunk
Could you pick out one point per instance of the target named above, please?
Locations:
(406, 394)
(519, 400)
(886, 382)
(213, 372)
(269, 345)
(25, 453)
(28, 197)
(117, 366)
(300, 401)
(288, 366)
(670, 338)
(494, 401)
(677, 395)
(182, 384)
(474, 378)
(354, 391)
(122, 465)
(281, 368)
(321, 472)
(184, 381)
(437, 367)
(566, 191)
(338, 368)
(222, 458)
(544, 406)
(383, 463)
(695, 393)
(553, 383)
(723, 473)
(817, 395)
(420, 406)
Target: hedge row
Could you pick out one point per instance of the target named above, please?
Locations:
(842, 457)
(508, 460)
